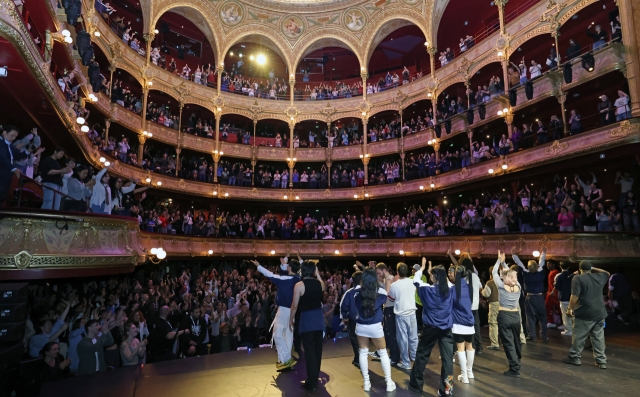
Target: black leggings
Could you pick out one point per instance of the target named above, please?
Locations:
(463, 338)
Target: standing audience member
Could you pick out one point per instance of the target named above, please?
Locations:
(51, 173)
(562, 288)
(91, 347)
(349, 314)
(534, 277)
(463, 322)
(490, 293)
(588, 310)
(402, 292)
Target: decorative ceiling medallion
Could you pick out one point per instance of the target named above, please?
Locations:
(292, 26)
(354, 19)
(22, 260)
(231, 13)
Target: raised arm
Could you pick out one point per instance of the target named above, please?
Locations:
(417, 277)
(496, 273)
(453, 258)
(518, 261)
(543, 258)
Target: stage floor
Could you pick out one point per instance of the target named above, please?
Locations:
(252, 373)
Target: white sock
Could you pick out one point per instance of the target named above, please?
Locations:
(471, 354)
(386, 369)
(462, 358)
(363, 359)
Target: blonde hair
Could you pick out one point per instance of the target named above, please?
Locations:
(510, 277)
(532, 266)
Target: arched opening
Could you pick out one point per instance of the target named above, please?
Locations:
(346, 131)
(383, 126)
(121, 15)
(183, 47)
(272, 133)
(126, 91)
(197, 120)
(398, 57)
(255, 66)
(484, 85)
(61, 65)
(416, 117)
(196, 166)
(163, 109)
(235, 128)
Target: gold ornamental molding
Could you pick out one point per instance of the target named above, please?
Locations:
(34, 240)
(601, 247)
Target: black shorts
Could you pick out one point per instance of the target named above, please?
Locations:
(462, 338)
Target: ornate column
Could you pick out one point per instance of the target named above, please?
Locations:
(402, 154)
(217, 153)
(181, 106)
(365, 149)
(470, 135)
(631, 45)
(432, 60)
(216, 159)
(253, 172)
(328, 164)
(219, 70)
(508, 119)
(562, 98)
(436, 148)
(291, 160)
(292, 84)
(178, 150)
(143, 114)
(255, 144)
(501, 4)
(141, 140)
(111, 69)
(107, 124)
(148, 37)
(365, 162)
(364, 75)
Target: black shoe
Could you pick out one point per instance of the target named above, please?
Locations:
(572, 361)
(511, 374)
(478, 351)
(304, 385)
(413, 389)
(355, 363)
(493, 348)
(530, 339)
(602, 365)
(545, 340)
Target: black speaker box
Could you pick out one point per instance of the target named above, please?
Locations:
(13, 312)
(13, 292)
(11, 332)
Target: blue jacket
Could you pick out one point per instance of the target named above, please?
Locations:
(462, 314)
(285, 285)
(378, 306)
(438, 309)
(348, 308)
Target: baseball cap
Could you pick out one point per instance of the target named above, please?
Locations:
(417, 267)
(585, 265)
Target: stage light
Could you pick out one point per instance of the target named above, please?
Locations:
(490, 170)
(66, 33)
(68, 40)
(161, 253)
(401, 252)
(457, 252)
(588, 62)
(159, 183)
(210, 252)
(261, 59)
(337, 252)
(84, 128)
(273, 252)
(536, 254)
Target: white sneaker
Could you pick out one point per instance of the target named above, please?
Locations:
(551, 325)
(566, 333)
(391, 386)
(401, 365)
(560, 327)
(463, 378)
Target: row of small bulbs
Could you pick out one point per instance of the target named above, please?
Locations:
(273, 252)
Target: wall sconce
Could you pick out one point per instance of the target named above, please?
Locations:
(337, 252)
(457, 252)
(210, 252)
(536, 254)
(157, 255)
(401, 252)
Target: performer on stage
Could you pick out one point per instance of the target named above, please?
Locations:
(369, 300)
(307, 296)
(437, 317)
(349, 314)
(463, 322)
(282, 335)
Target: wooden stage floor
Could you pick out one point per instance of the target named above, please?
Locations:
(252, 373)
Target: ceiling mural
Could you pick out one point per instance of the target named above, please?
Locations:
(294, 25)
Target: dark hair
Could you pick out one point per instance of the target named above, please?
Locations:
(369, 291)
(382, 266)
(78, 170)
(564, 265)
(402, 269)
(466, 263)
(294, 265)
(463, 272)
(357, 278)
(9, 128)
(441, 280)
(47, 347)
(308, 269)
(58, 150)
(89, 324)
(44, 321)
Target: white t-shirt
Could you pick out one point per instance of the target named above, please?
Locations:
(403, 294)
(621, 105)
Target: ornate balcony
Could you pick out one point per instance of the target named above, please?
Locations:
(55, 244)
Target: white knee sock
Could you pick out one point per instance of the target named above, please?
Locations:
(462, 358)
(386, 369)
(363, 358)
(471, 354)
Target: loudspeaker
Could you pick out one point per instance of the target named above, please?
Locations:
(14, 292)
(13, 312)
(11, 332)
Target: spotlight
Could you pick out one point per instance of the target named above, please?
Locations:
(536, 254)
(401, 252)
(261, 59)
(457, 252)
(588, 62)
(66, 33)
(84, 128)
(337, 252)
(102, 159)
(273, 252)
(210, 252)
(106, 163)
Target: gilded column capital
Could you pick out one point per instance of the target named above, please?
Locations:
(432, 50)
(292, 79)
(148, 37)
(500, 3)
